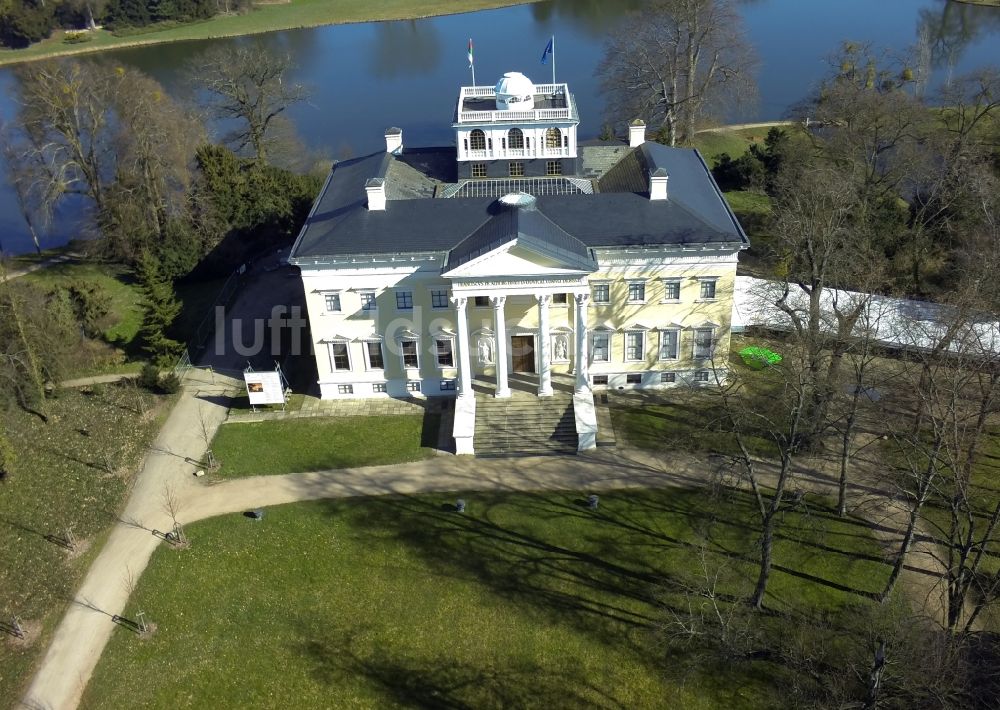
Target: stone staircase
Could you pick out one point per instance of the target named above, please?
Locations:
(525, 425)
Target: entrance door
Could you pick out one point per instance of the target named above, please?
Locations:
(522, 353)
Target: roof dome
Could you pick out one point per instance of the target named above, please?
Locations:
(515, 92)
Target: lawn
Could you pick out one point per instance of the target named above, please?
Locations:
(72, 473)
(292, 445)
(523, 601)
(264, 18)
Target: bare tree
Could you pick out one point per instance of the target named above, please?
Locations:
(247, 87)
(675, 62)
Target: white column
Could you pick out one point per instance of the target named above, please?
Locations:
(582, 373)
(544, 344)
(464, 361)
(500, 352)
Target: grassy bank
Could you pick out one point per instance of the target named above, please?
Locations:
(524, 601)
(72, 474)
(294, 445)
(264, 18)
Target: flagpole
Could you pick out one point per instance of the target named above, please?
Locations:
(553, 62)
(472, 62)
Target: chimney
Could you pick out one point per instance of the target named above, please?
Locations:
(636, 133)
(658, 184)
(394, 140)
(376, 194)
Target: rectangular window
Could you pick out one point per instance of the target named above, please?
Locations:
(368, 300)
(601, 293)
(340, 357)
(332, 302)
(600, 379)
(412, 386)
(439, 299)
(516, 169)
(553, 167)
(601, 345)
(668, 377)
(345, 389)
(479, 170)
(482, 301)
(633, 379)
(634, 342)
(668, 344)
(707, 290)
(447, 385)
(379, 388)
(409, 350)
(637, 292)
(375, 359)
(703, 343)
(559, 299)
(445, 358)
(701, 376)
(404, 300)
(672, 290)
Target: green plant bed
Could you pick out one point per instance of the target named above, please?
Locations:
(293, 445)
(758, 358)
(523, 601)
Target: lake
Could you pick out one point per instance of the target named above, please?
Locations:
(366, 77)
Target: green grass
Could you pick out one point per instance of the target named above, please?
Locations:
(125, 315)
(683, 420)
(293, 445)
(62, 480)
(524, 601)
(264, 18)
(746, 202)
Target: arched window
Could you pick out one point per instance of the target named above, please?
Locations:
(477, 140)
(553, 138)
(515, 138)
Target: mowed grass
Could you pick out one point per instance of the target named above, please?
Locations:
(263, 18)
(523, 601)
(293, 445)
(71, 474)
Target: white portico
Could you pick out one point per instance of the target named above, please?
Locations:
(520, 259)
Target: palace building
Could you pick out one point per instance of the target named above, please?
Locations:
(518, 256)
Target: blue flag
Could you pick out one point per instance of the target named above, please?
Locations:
(548, 51)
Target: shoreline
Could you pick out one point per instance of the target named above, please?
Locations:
(6, 60)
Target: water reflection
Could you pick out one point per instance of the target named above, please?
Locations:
(407, 48)
(946, 31)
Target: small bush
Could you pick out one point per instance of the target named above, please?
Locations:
(149, 377)
(77, 37)
(169, 383)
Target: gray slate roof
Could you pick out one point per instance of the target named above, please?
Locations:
(620, 214)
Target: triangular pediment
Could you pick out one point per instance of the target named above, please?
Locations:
(523, 257)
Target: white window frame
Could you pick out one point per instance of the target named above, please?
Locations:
(594, 285)
(605, 383)
(333, 363)
(676, 332)
(630, 375)
(368, 355)
(368, 293)
(327, 295)
(694, 343)
(345, 389)
(698, 374)
(479, 170)
(671, 282)
(413, 386)
(642, 346)
(437, 353)
(636, 282)
(448, 385)
(702, 281)
(380, 388)
(402, 292)
(668, 378)
(593, 346)
(416, 352)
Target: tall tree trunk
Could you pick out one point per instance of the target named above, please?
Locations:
(766, 551)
